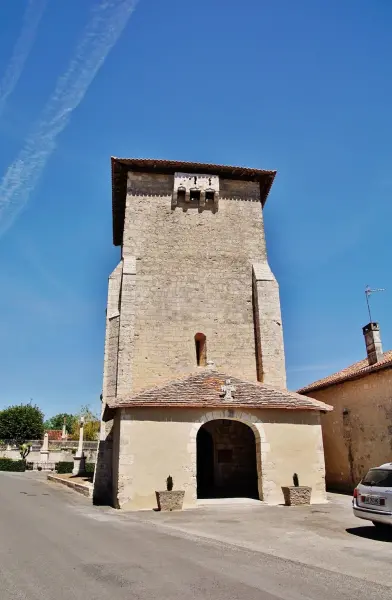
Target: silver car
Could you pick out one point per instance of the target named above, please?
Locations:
(373, 496)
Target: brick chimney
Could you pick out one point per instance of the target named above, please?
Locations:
(371, 331)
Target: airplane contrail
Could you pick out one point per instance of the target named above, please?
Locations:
(31, 19)
(100, 35)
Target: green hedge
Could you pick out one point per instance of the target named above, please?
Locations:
(7, 464)
(66, 467)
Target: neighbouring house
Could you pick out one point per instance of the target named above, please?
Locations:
(54, 435)
(194, 371)
(358, 433)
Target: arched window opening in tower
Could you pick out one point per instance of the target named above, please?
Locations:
(201, 349)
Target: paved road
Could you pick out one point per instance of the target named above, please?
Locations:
(327, 536)
(54, 544)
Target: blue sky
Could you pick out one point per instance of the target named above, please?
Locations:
(302, 87)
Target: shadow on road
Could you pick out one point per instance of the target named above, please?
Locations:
(380, 534)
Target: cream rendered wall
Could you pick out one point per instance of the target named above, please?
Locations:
(358, 432)
(155, 443)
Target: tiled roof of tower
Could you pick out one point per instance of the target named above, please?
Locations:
(121, 166)
(355, 371)
(203, 390)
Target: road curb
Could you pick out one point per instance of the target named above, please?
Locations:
(81, 488)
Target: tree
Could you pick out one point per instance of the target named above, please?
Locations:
(24, 450)
(21, 423)
(57, 422)
(91, 424)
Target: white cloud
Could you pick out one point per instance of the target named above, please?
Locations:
(100, 35)
(31, 20)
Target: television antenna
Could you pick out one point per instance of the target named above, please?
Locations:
(368, 292)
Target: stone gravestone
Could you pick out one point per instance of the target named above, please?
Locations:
(79, 458)
(44, 452)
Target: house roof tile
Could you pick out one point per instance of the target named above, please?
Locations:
(54, 434)
(358, 369)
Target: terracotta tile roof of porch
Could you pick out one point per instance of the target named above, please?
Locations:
(204, 389)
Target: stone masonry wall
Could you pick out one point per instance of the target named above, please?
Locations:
(358, 432)
(112, 334)
(103, 476)
(193, 273)
(271, 366)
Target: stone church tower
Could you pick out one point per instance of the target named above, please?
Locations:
(193, 295)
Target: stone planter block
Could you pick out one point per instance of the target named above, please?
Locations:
(170, 500)
(295, 496)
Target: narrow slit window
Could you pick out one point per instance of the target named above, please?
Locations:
(201, 349)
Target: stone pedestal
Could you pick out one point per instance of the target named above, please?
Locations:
(79, 465)
(44, 452)
(79, 458)
(44, 456)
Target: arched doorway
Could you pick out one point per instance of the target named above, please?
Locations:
(226, 460)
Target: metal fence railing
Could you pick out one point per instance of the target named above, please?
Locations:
(41, 466)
